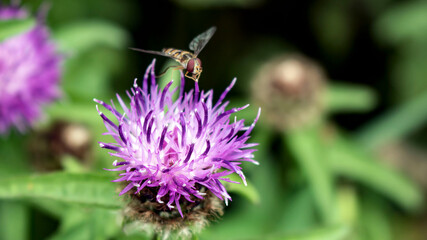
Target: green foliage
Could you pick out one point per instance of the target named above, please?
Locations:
(401, 27)
(375, 218)
(329, 233)
(88, 188)
(299, 214)
(395, 124)
(350, 98)
(304, 144)
(172, 74)
(9, 28)
(14, 219)
(92, 224)
(349, 160)
(247, 191)
(85, 35)
(402, 23)
(12, 159)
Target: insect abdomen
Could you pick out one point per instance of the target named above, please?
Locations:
(179, 55)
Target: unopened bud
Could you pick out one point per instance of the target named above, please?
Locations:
(290, 91)
(62, 138)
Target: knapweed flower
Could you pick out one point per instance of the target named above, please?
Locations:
(29, 73)
(173, 153)
(290, 89)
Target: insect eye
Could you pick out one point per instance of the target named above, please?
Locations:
(199, 62)
(190, 66)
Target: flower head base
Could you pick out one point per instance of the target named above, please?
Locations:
(143, 213)
(177, 148)
(29, 73)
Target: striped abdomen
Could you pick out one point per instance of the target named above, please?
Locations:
(179, 55)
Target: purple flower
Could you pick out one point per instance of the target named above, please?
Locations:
(12, 13)
(177, 146)
(29, 73)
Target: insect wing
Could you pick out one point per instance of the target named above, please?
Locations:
(151, 52)
(201, 40)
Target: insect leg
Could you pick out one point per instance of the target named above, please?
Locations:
(174, 68)
(190, 77)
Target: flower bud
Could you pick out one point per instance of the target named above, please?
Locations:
(48, 147)
(290, 90)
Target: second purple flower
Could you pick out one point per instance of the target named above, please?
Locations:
(29, 73)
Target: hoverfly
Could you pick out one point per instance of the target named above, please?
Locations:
(188, 60)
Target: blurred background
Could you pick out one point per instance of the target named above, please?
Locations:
(343, 91)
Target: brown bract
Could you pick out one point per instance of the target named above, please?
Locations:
(144, 213)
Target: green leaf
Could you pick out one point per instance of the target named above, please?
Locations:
(14, 220)
(79, 231)
(395, 124)
(13, 160)
(299, 213)
(350, 98)
(248, 191)
(52, 207)
(10, 28)
(76, 113)
(95, 224)
(402, 22)
(348, 160)
(340, 232)
(308, 151)
(375, 220)
(347, 205)
(81, 36)
(408, 64)
(89, 74)
(72, 165)
(134, 236)
(85, 188)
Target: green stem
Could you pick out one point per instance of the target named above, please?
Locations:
(308, 153)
